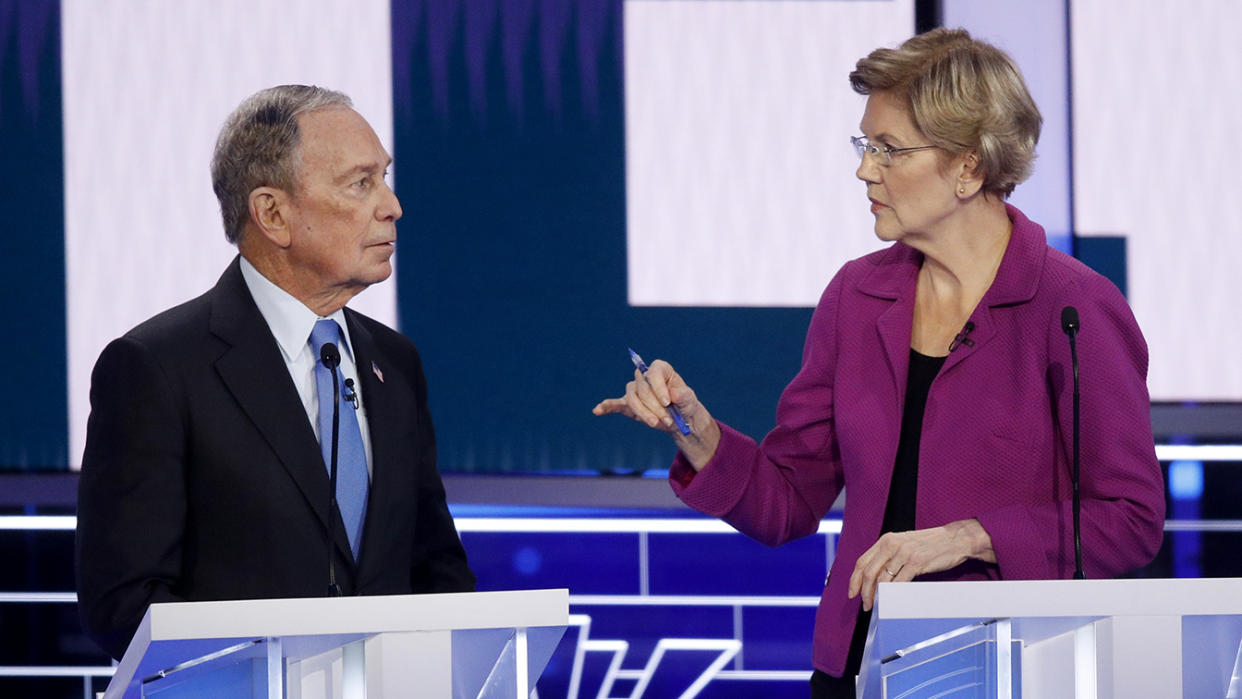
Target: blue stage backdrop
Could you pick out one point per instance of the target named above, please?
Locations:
(33, 417)
(510, 161)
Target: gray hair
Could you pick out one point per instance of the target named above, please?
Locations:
(258, 147)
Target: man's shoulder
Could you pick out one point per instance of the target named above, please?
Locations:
(381, 335)
(176, 342)
(226, 307)
(182, 322)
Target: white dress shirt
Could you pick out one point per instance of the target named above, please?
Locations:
(291, 322)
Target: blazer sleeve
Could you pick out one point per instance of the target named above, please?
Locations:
(131, 496)
(779, 490)
(438, 559)
(1122, 489)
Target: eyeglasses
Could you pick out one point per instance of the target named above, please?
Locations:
(884, 154)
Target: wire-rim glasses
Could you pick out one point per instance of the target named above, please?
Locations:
(884, 154)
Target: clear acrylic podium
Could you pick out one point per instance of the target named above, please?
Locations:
(473, 644)
(1056, 638)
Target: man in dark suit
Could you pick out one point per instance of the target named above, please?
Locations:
(205, 474)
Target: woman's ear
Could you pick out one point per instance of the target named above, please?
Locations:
(969, 179)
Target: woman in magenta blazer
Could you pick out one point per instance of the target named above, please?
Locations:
(936, 382)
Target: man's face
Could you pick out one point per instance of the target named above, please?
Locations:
(342, 218)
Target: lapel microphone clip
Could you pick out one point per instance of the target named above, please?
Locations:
(963, 338)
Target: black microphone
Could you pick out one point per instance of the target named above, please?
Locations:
(1070, 326)
(331, 358)
(963, 337)
(351, 394)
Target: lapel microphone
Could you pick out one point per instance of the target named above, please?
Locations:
(963, 337)
(351, 394)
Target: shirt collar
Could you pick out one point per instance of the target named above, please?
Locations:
(288, 318)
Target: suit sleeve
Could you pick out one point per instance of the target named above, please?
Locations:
(438, 560)
(1122, 491)
(131, 496)
(779, 490)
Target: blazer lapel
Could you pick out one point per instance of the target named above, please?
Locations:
(1017, 279)
(893, 279)
(255, 373)
(983, 331)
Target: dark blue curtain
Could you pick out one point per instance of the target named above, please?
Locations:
(510, 163)
(33, 409)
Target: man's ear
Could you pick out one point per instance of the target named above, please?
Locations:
(268, 207)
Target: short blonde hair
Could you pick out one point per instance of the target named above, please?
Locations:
(966, 96)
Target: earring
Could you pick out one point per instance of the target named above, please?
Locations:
(961, 190)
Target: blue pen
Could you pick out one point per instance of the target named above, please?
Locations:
(672, 409)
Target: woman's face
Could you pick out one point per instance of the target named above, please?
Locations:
(915, 195)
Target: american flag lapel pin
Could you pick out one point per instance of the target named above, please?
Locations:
(376, 370)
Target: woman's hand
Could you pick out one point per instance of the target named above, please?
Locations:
(902, 556)
(647, 399)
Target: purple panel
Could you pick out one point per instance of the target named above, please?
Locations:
(441, 31)
(777, 638)
(587, 564)
(516, 20)
(768, 689)
(592, 23)
(644, 626)
(481, 17)
(678, 670)
(556, 34)
(554, 18)
(406, 26)
(724, 564)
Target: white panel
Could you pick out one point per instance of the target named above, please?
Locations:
(393, 658)
(1157, 108)
(1033, 34)
(1043, 667)
(146, 87)
(1146, 656)
(740, 177)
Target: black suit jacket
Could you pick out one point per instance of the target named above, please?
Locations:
(202, 478)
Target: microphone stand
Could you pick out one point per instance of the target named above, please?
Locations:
(331, 357)
(1069, 323)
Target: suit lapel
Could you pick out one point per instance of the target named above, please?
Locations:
(254, 372)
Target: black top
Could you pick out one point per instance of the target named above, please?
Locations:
(899, 512)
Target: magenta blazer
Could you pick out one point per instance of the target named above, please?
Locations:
(996, 442)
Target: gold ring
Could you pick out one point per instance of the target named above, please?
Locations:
(890, 573)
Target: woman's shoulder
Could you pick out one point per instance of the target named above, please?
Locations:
(882, 272)
(1065, 277)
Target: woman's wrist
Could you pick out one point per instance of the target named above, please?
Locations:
(974, 539)
(700, 445)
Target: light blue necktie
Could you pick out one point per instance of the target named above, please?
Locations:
(351, 457)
